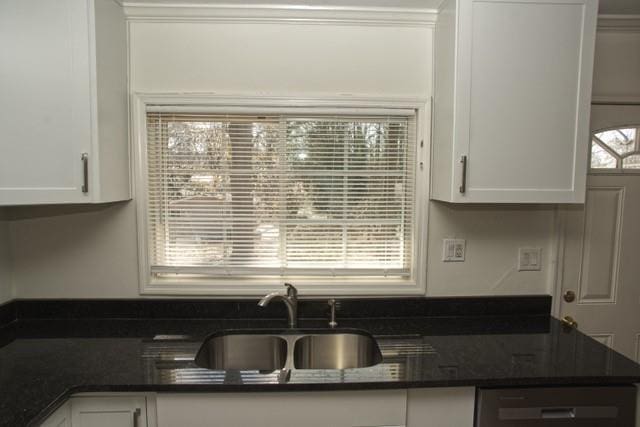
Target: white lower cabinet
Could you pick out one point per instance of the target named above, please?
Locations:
(109, 412)
(441, 407)
(284, 409)
(105, 411)
(60, 418)
(431, 407)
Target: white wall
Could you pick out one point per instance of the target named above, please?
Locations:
(617, 65)
(281, 59)
(6, 283)
(77, 252)
(493, 236)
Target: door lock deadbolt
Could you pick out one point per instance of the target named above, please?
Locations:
(569, 296)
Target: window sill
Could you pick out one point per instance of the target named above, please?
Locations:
(257, 288)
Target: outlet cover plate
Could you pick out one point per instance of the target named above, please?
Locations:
(529, 259)
(453, 250)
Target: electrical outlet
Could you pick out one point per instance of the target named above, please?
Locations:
(529, 259)
(453, 250)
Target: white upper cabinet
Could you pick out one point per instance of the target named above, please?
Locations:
(63, 102)
(512, 100)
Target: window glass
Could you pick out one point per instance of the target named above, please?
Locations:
(622, 141)
(275, 195)
(615, 149)
(631, 162)
(601, 158)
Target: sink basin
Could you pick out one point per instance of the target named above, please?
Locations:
(243, 352)
(271, 350)
(336, 351)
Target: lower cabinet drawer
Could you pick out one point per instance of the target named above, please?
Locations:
(379, 408)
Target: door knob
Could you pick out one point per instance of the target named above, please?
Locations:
(569, 296)
(569, 322)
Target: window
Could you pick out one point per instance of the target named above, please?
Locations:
(305, 196)
(616, 149)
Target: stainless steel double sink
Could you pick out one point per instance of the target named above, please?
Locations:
(296, 349)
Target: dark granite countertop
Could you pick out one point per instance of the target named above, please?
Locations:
(43, 361)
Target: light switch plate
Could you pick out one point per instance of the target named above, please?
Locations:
(453, 250)
(529, 259)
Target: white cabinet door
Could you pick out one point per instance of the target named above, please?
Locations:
(62, 94)
(309, 409)
(521, 88)
(109, 412)
(441, 407)
(44, 99)
(60, 418)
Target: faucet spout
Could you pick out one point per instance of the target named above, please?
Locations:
(290, 300)
(268, 298)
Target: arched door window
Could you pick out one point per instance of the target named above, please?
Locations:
(616, 149)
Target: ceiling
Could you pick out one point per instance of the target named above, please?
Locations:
(609, 7)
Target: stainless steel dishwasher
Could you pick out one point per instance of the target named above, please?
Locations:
(557, 406)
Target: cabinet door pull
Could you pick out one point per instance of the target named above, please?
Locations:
(463, 185)
(136, 417)
(85, 172)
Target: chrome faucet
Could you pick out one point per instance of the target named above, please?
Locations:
(290, 299)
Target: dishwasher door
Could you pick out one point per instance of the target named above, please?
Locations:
(557, 406)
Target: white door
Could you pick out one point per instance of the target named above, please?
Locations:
(45, 108)
(109, 412)
(601, 277)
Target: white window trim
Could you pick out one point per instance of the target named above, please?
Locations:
(252, 286)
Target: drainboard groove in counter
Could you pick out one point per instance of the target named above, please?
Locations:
(378, 373)
(170, 350)
(390, 349)
(205, 376)
(172, 374)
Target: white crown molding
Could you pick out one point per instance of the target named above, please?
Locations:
(271, 13)
(184, 12)
(621, 23)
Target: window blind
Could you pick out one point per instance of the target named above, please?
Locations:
(280, 194)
